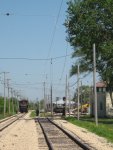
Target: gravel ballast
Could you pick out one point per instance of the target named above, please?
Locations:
(96, 142)
(22, 135)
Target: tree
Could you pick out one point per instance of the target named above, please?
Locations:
(85, 91)
(88, 22)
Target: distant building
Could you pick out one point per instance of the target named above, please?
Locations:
(104, 105)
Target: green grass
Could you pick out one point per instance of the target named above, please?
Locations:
(7, 108)
(104, 128)
(42, 114)
(7, 115)
(33, 114)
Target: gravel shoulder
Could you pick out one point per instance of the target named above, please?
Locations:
(98, 143)
(22, 135)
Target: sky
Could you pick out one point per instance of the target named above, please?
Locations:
(33, 47)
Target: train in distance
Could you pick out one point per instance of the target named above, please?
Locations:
(23, 106)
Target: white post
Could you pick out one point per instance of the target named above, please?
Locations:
(51, 89)
(69, 99)
(94, 84)
(8, 94)
(39, 107)
(12, 100)
(81, 97)
(78, 115)
(4, 94)
(44, 99)
(66, 97)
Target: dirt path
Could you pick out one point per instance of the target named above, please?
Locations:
(22, 135)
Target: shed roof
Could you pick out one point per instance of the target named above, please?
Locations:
(101, 84)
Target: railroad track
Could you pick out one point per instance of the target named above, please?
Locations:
(8, 121)
(59, 139)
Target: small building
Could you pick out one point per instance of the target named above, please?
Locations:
(104, 105)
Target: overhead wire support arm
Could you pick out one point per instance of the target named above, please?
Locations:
(34, 59)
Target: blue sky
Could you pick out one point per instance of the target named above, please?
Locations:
(27, 33)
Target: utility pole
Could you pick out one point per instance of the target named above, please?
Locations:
(48, 99)
(44, 99)
(69, 99)
(4, 95)
(81, 97)
(51, 101)
(17, 102)
(94, 84)
(51, 91)
(8, 94)
(4, 92)
(39, 107)
(78, 115)
(12, 100)
(66, 97)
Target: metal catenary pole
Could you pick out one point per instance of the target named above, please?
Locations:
(16, 100)
(4, 92)
(17, 103)
(51, 102)
(69, 99)
(66, 98)
(81, 101)
(8, 94)
(94, 84)
(39, 107)
(44, 99)
(78, 115)
(51, 91)
(12, 100)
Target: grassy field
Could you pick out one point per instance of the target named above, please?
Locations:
(7, 108)
(104, 128)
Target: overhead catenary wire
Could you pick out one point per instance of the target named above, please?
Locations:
(53, 35)
(51, 45)
(32, 59)
(54, 31)
(63, 66)
(64, 63)
(27, 15)
(52, 38)
(56, 84)
(77, 80)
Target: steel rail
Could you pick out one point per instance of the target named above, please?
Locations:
(46, 137)
(76, 140)
(8, 118)
(2, 128)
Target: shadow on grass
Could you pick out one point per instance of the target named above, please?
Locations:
(100, 120)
